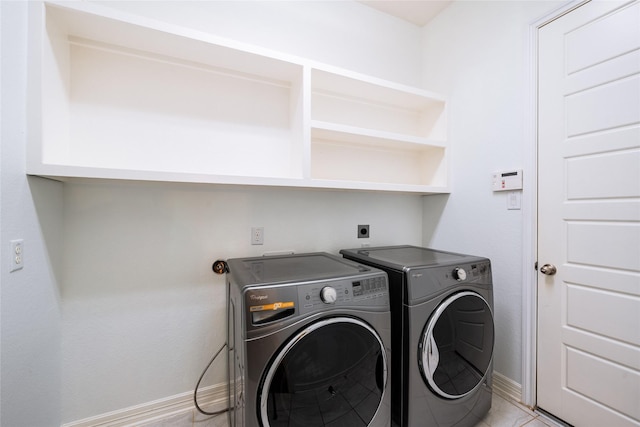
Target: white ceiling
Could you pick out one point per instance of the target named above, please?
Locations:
(418, 12)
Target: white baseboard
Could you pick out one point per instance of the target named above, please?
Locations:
(211, 399)
(214, 398)
(506, 387)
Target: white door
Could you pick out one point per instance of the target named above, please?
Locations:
(589, 215)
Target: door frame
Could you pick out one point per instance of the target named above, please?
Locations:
(530, 208)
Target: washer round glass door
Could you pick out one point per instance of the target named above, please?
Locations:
(456, 346)
(332, 371)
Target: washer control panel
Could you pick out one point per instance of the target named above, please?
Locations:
(268, 304)
(364, 291)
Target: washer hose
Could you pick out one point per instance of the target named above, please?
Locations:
(195, 392)
(219, 267)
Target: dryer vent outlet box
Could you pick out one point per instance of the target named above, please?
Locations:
(363, 231)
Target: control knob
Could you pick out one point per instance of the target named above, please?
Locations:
(328, 295)
(459, 274)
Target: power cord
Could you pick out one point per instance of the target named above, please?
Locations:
(195, 392)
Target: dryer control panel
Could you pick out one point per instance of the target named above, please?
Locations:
(424, 282)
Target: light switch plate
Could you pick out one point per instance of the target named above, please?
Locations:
(514, 200)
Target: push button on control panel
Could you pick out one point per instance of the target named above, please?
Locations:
(369, 288)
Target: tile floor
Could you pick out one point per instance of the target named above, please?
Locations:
(507, 413)
(503, 413)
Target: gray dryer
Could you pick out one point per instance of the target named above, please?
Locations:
(442, 334)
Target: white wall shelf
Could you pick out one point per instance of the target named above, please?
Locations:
(115, 96)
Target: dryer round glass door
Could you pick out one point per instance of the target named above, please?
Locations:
(456, 346)
(332, 371)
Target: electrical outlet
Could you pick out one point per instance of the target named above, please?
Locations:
(257, 235)
(17, 255)
(363, 231)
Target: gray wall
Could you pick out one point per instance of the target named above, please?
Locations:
(31, 210)
(477, 53)
(117, 305)
(124, 308)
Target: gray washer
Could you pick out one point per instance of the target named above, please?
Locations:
(442, 333)
(309, 342)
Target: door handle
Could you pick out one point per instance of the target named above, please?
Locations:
(548, 269)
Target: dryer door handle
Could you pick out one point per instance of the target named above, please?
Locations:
(432, 356)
